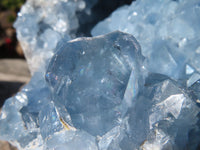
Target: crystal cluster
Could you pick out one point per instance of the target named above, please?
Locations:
(166, 30)
(42, 23)
(108, 92)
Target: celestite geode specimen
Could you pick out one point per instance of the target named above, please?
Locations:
(101, 93)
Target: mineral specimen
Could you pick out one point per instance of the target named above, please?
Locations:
(101, 93)
(19, 117)
(102, 77)
(167, 31)
(42, 23)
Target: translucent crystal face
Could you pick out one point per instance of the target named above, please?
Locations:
(168, 32)
(162, 116)
(96, 79)
(92, 96)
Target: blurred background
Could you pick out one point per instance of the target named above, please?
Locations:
(9, 47)
(13, 68)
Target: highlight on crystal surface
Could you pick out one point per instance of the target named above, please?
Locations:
(167, 31)
(87, 100)
(102, 77)
(41, 24)
(108, 92)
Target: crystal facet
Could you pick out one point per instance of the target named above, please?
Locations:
(166, 30)
(101, 78)
(100, 93)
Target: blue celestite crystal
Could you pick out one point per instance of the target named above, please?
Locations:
(167, 30)
(101, 77)
(42, 23)
(100, 93)
(161, 118)
(172, 114)
(19, 117)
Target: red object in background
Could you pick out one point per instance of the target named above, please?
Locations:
(8, 41)
(9, 45)
(8, 48)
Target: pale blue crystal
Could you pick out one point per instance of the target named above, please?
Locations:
(194, 77)
(101, 77)
(188, 69)
(42, 23)
(167, 30)
(93, 95)
(162, 116)
(19, 117)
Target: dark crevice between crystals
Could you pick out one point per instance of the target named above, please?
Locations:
(100, 11)
(7, 89)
